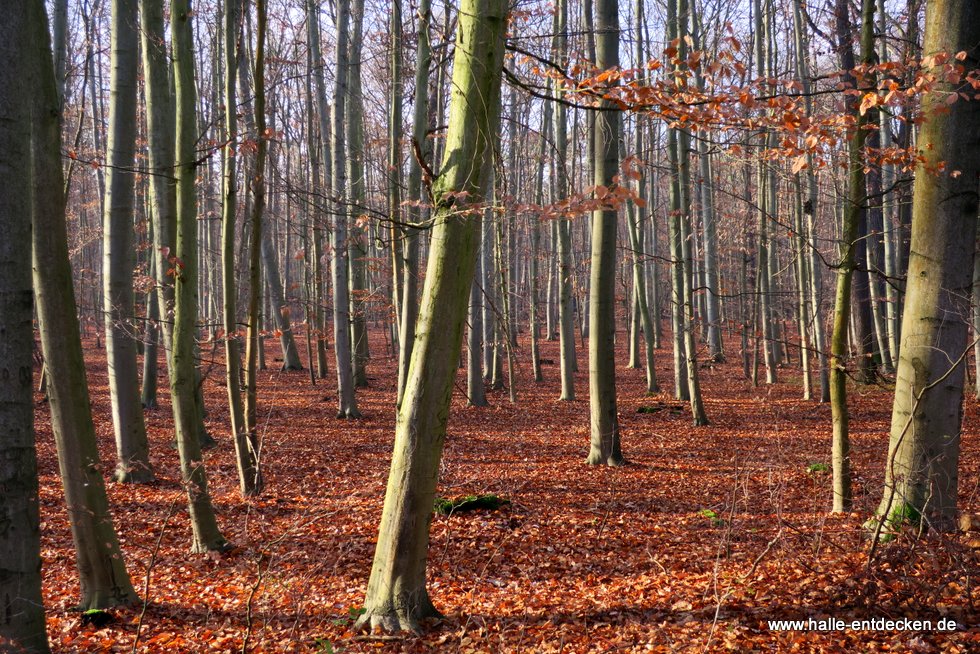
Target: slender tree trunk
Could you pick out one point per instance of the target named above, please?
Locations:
(355, 161)
(397, 597)
(848, 244)
(183, 379)
(246, 451)
(323, 116)
(566, 309)
(347, 404)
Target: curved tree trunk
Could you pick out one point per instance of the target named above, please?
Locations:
(396, 596)
(101, 568)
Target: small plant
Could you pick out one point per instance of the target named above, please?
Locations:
(489, 502)
(323, 646)
(715, 520)
(97, 618)
(814, 468)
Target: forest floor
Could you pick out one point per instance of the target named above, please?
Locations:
(694, 546)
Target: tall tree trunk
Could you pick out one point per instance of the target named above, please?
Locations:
(323, 117)
(101, 568)
(853, 216)
(22, 624)
(246, 447)
(358, 199)
(566, 309)
(604, 446)
(132, 447)
(183, 379)
(397, 597)
(921, 471)
(346, 401)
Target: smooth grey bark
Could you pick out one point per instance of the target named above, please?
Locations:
(397, 598)
(101, 568)
(340, 270)
(132, 447)
(183, 376)
(22, 622)
(921, 470)
(604, 445)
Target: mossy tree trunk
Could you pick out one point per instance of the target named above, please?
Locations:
(923, 453)
(397, 597)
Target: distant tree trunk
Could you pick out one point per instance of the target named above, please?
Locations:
(101, 569)
(183, 379)
(22, 624)
(853, 216)
(921, 471)
(346, 401)
(118, 254)
(246, 447)
(397, 597)
(151, 337)
(287, 341)
(806, 240)
(604, 447)
(476, 391)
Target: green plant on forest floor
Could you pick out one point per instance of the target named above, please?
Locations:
(489, 502)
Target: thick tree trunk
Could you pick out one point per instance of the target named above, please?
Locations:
(22, 624)
(604, 446)
(397, 597)
(921, 471)
(102, 571)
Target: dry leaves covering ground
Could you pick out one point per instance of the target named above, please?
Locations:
(706, 535)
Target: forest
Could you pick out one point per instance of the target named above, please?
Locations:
(489, 326)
